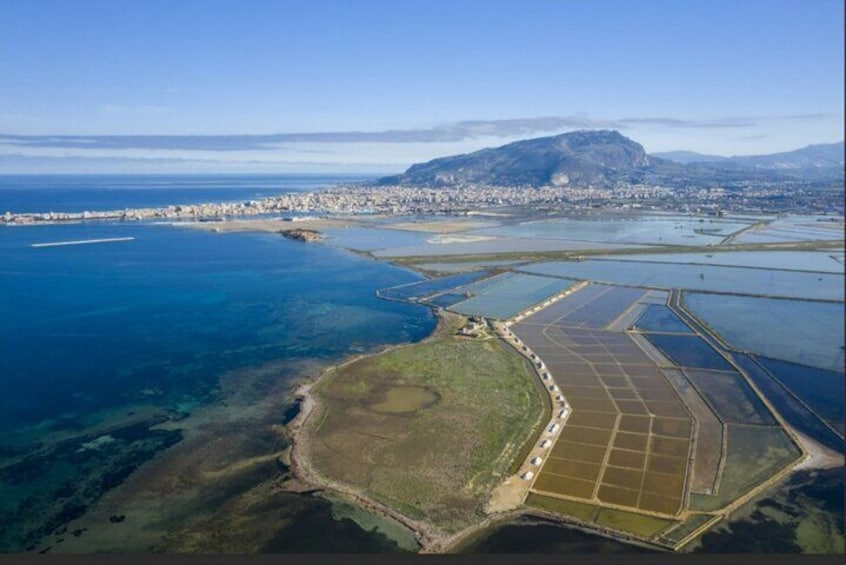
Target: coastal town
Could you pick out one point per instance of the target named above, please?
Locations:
(471, 199)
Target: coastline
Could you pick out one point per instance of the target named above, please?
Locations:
(305, 478)
(430, 539)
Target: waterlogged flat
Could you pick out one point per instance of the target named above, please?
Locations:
(814, 335)
(463, 266)
(496, 245)
(511, 294)
(795, 228)
(667, 230)
(405, 399)
(371, 238)
(735, 280)
(819, 261)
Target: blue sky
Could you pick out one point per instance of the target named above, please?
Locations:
(389, 83)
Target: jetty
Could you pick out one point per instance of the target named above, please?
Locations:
(82, 241)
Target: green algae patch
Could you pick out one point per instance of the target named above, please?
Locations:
(579, 510)
(632, 522)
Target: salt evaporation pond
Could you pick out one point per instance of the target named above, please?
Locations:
(735, 280)
(668, 230)
(819, 261)
(800, 331)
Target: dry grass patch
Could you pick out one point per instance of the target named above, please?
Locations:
(429, 429)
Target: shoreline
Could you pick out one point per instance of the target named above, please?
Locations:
(305, 475)
(430, 539)
(818, 456)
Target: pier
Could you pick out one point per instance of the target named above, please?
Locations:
(82, 241)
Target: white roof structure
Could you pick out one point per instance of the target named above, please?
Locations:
(545, 443)
(537, 460)
(528, 475)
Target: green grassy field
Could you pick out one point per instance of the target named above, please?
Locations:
(436, 460)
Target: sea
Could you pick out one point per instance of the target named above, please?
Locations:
(102, 344)
(144, 382)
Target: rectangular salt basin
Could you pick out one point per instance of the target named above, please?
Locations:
(511, 295)
(735, 280)
(819, 261)
(814, 335)
(669, 230)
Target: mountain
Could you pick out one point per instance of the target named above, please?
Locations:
(604, 158)
(686, 157)
(824, 155)
(579, 158)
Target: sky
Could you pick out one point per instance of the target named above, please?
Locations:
(377, 85)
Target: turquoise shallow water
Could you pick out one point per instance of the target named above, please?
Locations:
(89, 326)
(95, 335)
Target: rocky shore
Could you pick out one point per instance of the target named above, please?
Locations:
(302, 234)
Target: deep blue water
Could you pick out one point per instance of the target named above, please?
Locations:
(794, 413)
(77, 193)
(93, 334)
(88, 326)
(821, 390)
(659, 318)
(689, 351)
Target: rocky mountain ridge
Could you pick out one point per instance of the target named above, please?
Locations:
(606, 158)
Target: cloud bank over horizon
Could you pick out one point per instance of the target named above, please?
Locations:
(388, 150)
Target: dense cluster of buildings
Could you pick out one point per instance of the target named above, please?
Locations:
(406, 200)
